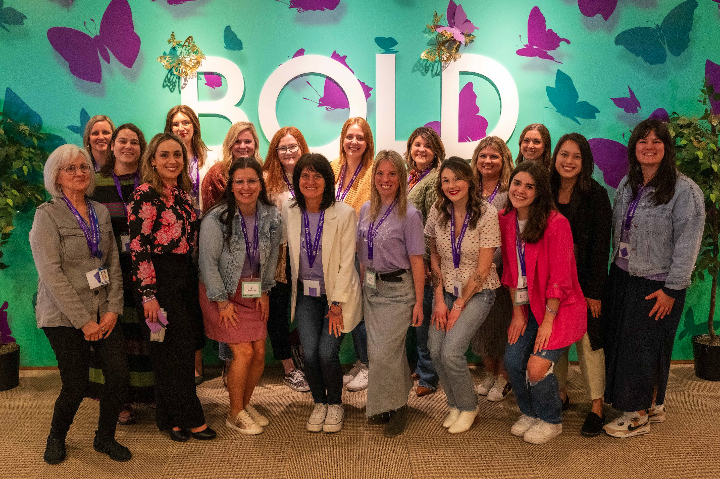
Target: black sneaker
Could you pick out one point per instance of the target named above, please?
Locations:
(115, 450)
(398, 421)
(54, 451)
(593, 425)
(296, 381)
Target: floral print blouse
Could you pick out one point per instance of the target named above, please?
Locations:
(158, 225)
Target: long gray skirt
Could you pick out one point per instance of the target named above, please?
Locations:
(388, 314)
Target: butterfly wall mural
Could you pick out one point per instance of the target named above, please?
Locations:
(333, 97)
(712, 77)
(541, 40)
(18, 116)
(177, 2)
(672, 35)
(232, 42)
(471, 125)
(80, 129)
(116, 34)
(447, 40)
(564, 97)
(10, 16)
(604, 8)
(212, 80)
(628, 104)
(387, 44)
(311, 5)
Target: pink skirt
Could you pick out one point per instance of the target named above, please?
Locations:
(250, 325)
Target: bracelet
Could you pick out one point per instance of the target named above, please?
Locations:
(147, 299)
(550, 310)
(457, 308)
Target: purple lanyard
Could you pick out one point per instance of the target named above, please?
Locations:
(196, 183)
(116, 180)
(456, 246)
(289, 185)
(520, 245)
(312, 248)
(632, 207)
(372, 232)
(338, 195)
(92, 232)
(252, 252)
(423, 175)
(495, 192)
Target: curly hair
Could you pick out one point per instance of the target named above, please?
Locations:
(434, 142)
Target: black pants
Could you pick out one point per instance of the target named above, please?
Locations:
(73, 356)
(173, 360)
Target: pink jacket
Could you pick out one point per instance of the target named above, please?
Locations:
(551, 273)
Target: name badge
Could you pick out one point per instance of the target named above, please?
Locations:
(98, 277)
(157, 329)
(311, 288)
(124, 243)
(158, 336)
(457, 288)
(624, 250)
(370, 279)
(251, 289)
(522, 296)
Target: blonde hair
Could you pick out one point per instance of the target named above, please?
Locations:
(149, 173)
(401, 195)
(497, 144)
(88, 128)
(230, 138)
(369, 152)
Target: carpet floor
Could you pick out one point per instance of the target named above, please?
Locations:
(685, 446)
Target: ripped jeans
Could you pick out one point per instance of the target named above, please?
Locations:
(542, 399)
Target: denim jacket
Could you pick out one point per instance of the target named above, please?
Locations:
(221, 263)
(665, 239)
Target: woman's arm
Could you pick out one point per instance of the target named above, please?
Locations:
(561, 261)
(473, 285)
(440, 312)
(599, 247)
(212, 241)
(519, 320)
(276, 235)
(142, 215)
(417, 266)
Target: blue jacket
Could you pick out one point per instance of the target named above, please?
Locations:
(665, 239)
(221, 263)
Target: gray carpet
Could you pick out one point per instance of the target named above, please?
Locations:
(685, 446)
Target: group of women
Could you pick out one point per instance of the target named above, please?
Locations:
(511, 259)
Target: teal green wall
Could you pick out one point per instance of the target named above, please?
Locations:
(271, 33)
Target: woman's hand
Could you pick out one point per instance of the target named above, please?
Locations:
(440, 315)
(594, 307)
(107, 323)
(543, 335)
(92, 331)
(262, 304)
(417, 317)
(663, 304)
(335, 320)
(517, 325)
(454, 313)
(151, 310)
(227, 314)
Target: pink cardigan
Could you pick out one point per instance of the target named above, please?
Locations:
(551, 273)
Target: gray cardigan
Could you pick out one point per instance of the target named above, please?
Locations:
(62, 259)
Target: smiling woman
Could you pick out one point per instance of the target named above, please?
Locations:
(96, 139)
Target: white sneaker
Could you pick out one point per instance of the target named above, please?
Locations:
(451, 417)
(259, 419)
(628, 425)
(500, 390)
(522, 425)
(656, 413)
(464, 421)
(334, 418)
(317, 418)
(352, 373)
(360, 381)
(244, 423)
(484, 387)
(541, 432)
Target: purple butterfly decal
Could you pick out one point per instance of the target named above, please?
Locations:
(541, 40)
(333, 97)
(660, 114)
(629, 104)
(299, 53)
(458, 23)
(80, 50)
(213, 80)
(471, 125)
(611, 157)
(312, 5)
(712, 76)
(177, 2)
(605, 8)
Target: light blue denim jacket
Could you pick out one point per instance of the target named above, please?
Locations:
(221, 264)
(665, 239)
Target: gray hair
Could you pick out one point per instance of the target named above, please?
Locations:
(58, 159)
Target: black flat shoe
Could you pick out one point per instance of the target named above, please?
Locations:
(381, 418)
(566, 403)
(398, 421)
(593, 425)
(179, 436)
(204, 435)
(54, 451)
(115, 450)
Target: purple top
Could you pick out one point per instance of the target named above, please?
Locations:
(316, 272)
(396, 239)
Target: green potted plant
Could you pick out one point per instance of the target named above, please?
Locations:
(698, 157)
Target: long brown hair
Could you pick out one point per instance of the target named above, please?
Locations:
(547, 146)
(272, 167)
(401, 195)
(150, 175)
(475, 202)
(666, 174)
(542, 205)
(198, 146)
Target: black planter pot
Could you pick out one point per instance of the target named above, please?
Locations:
(9, 369)
(707, 360)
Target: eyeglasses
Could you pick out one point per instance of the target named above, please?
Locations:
(287, 149)
(73, 169)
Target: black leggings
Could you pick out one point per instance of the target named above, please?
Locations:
(73, 357)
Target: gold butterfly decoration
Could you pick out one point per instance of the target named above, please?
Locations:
(184, 58)
(445, 44)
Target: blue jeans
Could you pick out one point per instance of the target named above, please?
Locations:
(321, 349)
(447, 349)
(425, 368)
(540, 400)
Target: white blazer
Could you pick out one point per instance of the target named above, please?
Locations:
(338, 258)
